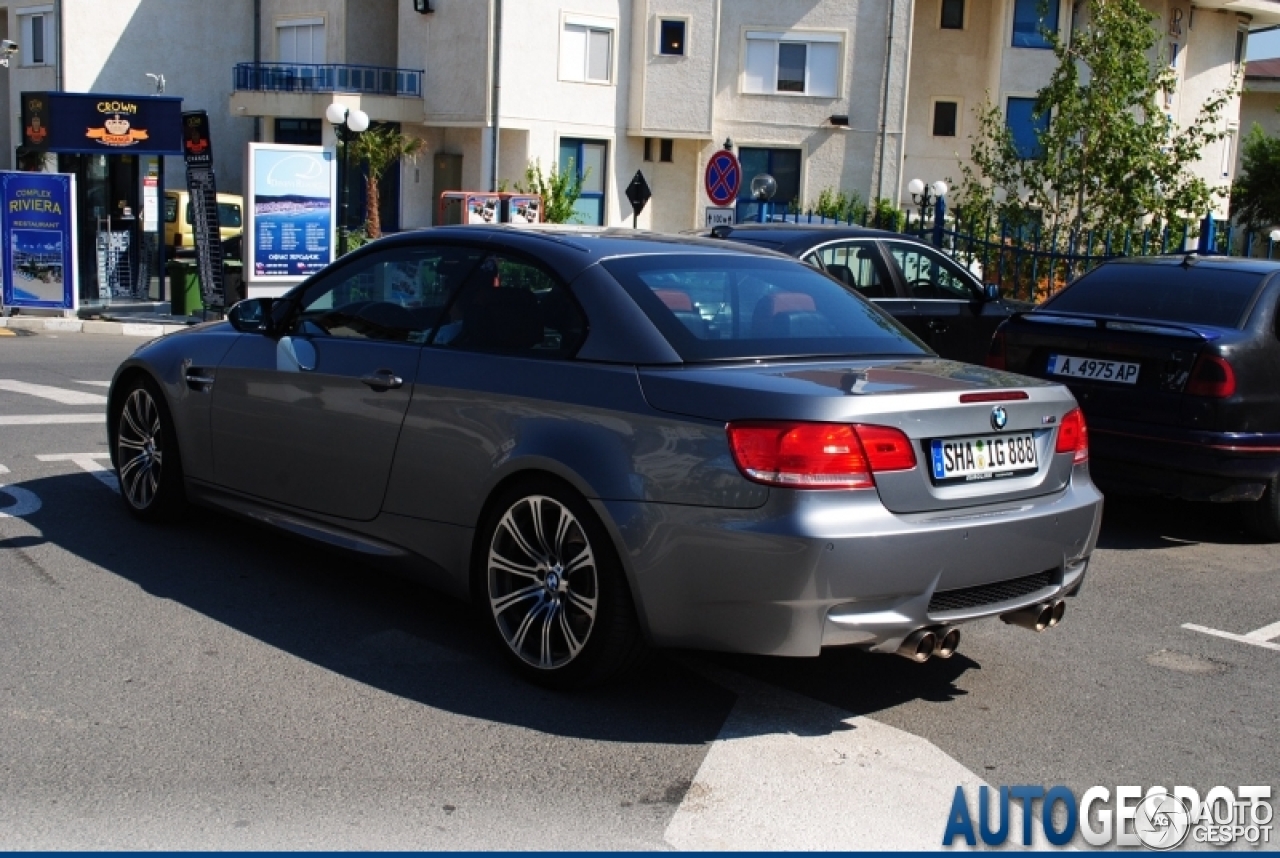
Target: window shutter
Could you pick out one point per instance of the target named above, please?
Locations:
(573, 52)
(824, 69)
(760, 66)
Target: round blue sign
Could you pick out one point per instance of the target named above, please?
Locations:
(723, 178)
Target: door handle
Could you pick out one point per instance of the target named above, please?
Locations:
(383, 379)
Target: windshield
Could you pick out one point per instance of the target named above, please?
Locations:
(735, 307)
(1191, 294)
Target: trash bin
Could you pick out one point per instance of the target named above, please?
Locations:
(232, 282)
(184, 286)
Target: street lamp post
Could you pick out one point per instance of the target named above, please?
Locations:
(347, 125)
(928, 197)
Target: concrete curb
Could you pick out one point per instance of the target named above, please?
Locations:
(79, 326)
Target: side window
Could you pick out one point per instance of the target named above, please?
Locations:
(393, 296)
(513, 307)
(857, 264)
(930, 275)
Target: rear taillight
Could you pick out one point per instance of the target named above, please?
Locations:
(1073, 436)
(1212, 376)
(995, 354)
(818, 455)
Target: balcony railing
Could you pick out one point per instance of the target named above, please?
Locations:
(306, 77)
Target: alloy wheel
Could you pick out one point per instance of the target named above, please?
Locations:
(140, 449)
(543, 583)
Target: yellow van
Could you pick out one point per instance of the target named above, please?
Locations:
(179, 233)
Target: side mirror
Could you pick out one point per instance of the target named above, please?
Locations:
(252, 315)
(991, 291)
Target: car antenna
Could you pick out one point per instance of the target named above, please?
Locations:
(721, 231)
(1190, 259)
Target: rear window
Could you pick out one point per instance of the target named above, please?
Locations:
(731, 307)
(1166, 293)
(228, 215)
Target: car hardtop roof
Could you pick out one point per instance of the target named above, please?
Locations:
(1196, 260)
(596, 242)
(796, 230)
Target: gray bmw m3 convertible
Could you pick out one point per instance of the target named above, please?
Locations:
(609, 440)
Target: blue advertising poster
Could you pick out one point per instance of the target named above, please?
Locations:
(291, 214)
(37, 228)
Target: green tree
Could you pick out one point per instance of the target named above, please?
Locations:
(559, 190)
(378, 149)
(1110, 155)
(1255, 197)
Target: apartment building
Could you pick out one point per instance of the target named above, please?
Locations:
(860, 95)
(966, 51)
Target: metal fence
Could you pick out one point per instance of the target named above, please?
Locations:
(305, 77)
(1029, 262)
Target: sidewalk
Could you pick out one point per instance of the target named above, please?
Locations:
(143, 319)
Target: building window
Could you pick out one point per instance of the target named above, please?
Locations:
(807, 64)
(1228, 147)
(588, 160)
(782, 164)
(671, 35)
(1242, 42)
(36, 27)
(1026, 127)
(648, 148)
(586, 53)
(952, 14)
(298, 132)
(944, 118)
(667, 151)
(300, 41)
(1032, 21)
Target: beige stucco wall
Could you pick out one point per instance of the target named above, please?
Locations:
(672, 96)
(371, 32)
(452, 46)
(110, 45)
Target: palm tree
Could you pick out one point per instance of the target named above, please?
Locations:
(380, 148)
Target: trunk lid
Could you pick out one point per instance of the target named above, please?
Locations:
(920, 397)
(1117, 368)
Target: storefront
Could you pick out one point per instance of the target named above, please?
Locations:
(115, 146)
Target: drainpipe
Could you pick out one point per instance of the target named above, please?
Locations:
(497, 89)
(62, 43)
(884, 103)
(257, 62)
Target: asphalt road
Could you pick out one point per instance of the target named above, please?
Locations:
(214, 685)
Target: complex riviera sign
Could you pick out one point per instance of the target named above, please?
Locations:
(38, 231)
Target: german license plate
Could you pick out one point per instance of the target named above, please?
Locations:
(983, 458)
(1097, 370)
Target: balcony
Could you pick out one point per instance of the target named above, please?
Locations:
(309, 78)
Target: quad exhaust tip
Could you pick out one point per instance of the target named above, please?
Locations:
(923, 644)
(919, 645)
(948, 642)
(1039, 617)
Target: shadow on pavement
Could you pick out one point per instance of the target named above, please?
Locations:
(1130, 523)
(399, 637)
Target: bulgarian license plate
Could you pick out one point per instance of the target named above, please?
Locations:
(985, 458)
(1098, 370)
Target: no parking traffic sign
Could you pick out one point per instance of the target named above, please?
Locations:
(723, 177)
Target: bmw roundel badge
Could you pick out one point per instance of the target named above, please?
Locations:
(999, 418)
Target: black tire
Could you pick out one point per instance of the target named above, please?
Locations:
(148, 465)
(552, 589)
(1262, 517)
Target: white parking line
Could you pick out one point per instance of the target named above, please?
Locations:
(90, 464)
(1258, 637)
(57, 394)
(93, 383)
(49, 419)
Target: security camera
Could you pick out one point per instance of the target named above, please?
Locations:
(8, 48)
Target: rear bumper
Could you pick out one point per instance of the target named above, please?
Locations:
(1134, 458)
(815, 569)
